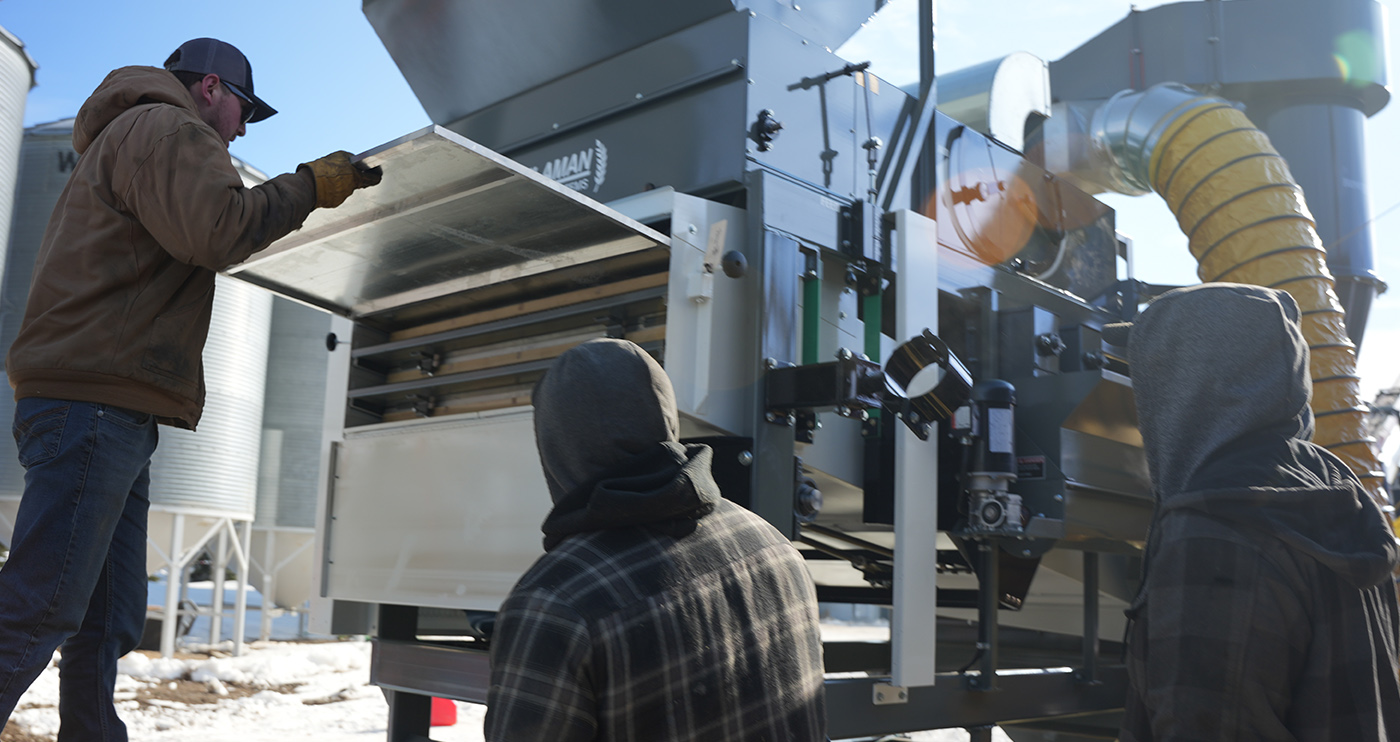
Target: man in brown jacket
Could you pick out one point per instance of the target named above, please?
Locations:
(111, 346)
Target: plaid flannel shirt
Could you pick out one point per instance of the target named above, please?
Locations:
(629, 634)
(1246, 639)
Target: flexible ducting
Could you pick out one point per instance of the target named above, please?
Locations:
(1247, 222)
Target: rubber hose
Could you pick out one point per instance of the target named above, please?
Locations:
(1247, 222)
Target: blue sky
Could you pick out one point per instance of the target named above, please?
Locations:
(317, 62)
(321, 65)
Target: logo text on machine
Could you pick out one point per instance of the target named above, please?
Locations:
(584, 170)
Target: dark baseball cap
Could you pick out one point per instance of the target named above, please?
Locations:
(211, 56)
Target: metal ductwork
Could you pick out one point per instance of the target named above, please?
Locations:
(1247, 222)
(999, 97)
(444, 46)
(1308, 72)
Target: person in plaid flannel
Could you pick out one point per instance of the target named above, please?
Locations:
(660, 611)
(1267, 609)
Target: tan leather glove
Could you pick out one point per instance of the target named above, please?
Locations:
(337, 178)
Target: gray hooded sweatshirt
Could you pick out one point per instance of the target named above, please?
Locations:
(1267, 610)
(659, 611)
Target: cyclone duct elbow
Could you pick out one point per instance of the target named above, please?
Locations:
(1247, 222)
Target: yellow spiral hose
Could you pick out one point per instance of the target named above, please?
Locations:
(1247, 222)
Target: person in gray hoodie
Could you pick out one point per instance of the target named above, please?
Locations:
(1267, 609)
(660, 612)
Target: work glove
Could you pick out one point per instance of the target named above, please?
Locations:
(337, 178)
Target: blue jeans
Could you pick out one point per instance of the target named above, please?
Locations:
(76, 575)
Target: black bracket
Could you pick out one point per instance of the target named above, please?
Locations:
(850, 385)
(921, 412)
(875, 569)
(1123, 297)
(855, 233)
(805, 425)
(765, 129)
(866, 277)
(428, 361)
(423, 405)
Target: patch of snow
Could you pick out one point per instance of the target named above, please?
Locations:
(305, 691)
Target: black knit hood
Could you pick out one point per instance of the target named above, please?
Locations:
(606, 427)
(1220, 375)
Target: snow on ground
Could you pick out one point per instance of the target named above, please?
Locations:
(277, 691)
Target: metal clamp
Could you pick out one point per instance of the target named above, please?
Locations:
(924, 350)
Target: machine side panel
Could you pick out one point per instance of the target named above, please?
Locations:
(443, 513)
(674, 66)
(653, 147)
(826, 115)
(709, 327)
(462, 56)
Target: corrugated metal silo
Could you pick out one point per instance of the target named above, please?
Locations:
(16, 78)
(214, 471)
(46, 159)
(295, 408)
(212, 474)
(289, 479)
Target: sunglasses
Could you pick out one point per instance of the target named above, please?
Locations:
(246, 105)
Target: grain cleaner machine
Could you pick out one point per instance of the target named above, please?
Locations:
(883, 319)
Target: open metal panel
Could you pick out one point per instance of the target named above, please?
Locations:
(449, 216)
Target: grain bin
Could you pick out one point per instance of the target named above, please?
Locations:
(46, 159)
(289, 474)
(16, 78)
(204, 484)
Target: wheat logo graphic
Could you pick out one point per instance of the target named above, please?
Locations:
(600, 164)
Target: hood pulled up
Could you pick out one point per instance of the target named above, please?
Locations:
(124, 89)
(1220, 375)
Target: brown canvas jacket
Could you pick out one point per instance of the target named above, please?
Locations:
(123, 284)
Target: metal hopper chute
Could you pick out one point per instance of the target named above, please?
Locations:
(449, 216)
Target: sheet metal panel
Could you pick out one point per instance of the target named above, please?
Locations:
(461, 56)
(913, 632)
(443, 513)
(465, 55)
(449, 216)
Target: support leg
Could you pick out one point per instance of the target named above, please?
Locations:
(410, 714)
(989, 598)
(240, 603)
(1091, 618)
(217, 569)
(174, 578)
(269, 584)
